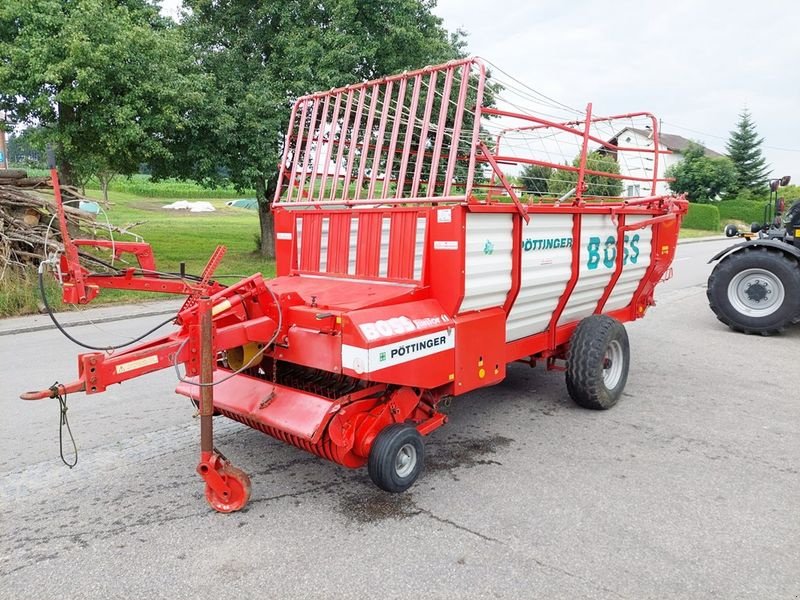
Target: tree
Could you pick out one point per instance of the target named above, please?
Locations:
(596, 185)
(534, 179)
(700, 177)
(107, 81)
(22, 152)
(263, 55)
(744, 149)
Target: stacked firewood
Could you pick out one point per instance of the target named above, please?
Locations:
(29, 228)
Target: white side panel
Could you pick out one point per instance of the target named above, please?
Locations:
(299, 240)
(351, 261)
(487, 276)
(383, 267)
(598, 244)
(323, 245)
(545, 272)
(637, 260)
(598, 264)
(419, 247)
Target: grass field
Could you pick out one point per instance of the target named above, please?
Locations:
(181, 236)
(175, 236)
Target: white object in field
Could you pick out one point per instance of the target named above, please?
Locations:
(191, 206)
(91, 207)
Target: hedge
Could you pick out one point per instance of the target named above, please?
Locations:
(746, 211)
(702, 216)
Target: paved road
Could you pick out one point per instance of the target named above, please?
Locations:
(687, 489)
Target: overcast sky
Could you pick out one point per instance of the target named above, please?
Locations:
(693, 63)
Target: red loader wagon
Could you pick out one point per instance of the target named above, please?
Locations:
(411, 268)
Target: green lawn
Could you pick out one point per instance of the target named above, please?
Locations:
(697, 233)
(178, 236)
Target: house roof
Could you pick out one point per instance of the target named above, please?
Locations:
(676, 143)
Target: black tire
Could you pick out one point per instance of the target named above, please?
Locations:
(742, 281)
(597, 362)
(731, 230)
(394, 445)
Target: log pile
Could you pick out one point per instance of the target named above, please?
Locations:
(28, 225)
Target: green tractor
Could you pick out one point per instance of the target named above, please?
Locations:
(755, 286)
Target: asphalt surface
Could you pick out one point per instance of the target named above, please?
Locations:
(688, 488)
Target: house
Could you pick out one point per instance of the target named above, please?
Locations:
(640, 164)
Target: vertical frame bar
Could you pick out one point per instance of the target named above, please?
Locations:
(412, 120)
(456, 135)
(314, 133)
(476, 126)
(341, 143)
(373, 104)
(584, 149)
(440, 129)
(423, 134)
(328, 150)
(398, 114)
(286, 145)
(353, 143)
(323, 121)
(376, 160)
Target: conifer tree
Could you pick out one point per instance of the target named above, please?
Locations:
(744, 149)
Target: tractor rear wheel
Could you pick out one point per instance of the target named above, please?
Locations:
(756, 290)
(396, 458)
(597, 362)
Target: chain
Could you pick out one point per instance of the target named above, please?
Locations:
(274, 369)
(55, 389)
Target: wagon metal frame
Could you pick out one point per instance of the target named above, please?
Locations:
(411, 268)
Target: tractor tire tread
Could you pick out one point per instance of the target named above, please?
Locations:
(717, 291)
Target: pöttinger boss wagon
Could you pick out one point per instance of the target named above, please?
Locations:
(411, 268)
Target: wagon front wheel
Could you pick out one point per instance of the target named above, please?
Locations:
(396, 458)
(597, 362)
(239, 483)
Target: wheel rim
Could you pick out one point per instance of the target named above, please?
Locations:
(406, 460)
(756, 292)
(613, 363)
(239, 483)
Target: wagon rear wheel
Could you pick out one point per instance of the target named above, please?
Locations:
(396, 458)
(597, 362)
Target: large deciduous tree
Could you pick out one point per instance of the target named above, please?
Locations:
(108, 81)
(700, 177)
(263, 55)
(744, 149)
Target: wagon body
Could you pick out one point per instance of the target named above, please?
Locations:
(411, 268)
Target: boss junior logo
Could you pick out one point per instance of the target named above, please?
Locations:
(399, 326)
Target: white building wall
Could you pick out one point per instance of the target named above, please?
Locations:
(640, 164)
